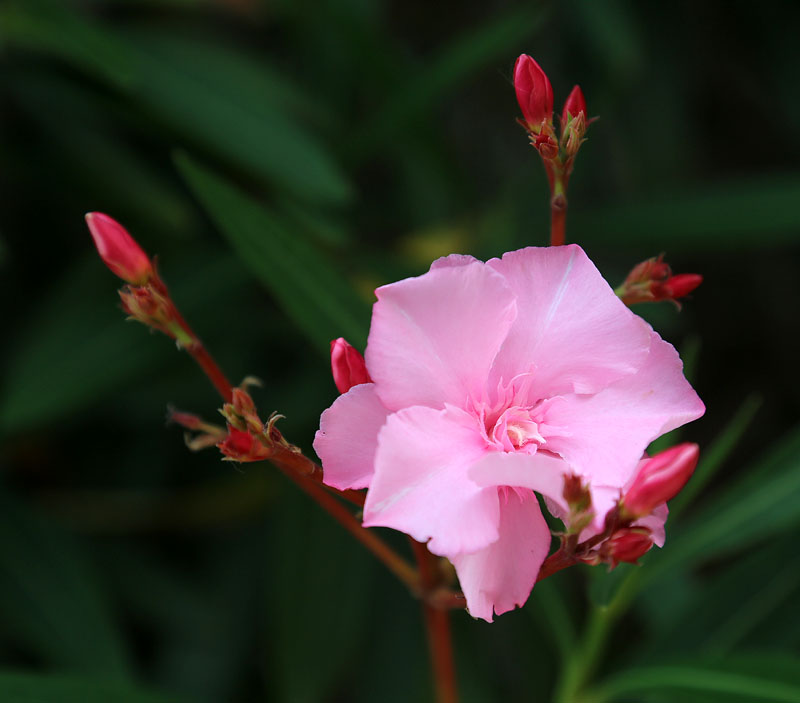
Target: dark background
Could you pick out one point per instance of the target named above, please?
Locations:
(272, 154)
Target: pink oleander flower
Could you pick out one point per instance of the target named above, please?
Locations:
(492, 382)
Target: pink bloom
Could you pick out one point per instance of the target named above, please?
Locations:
(492, 382)
(660, 479)
(347, 365)
(534, 92)
(118, 249)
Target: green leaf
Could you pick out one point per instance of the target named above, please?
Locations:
(713, 458)
(763, 502)
(32, 688)
(78, 346)
(319, 602)
(737, 215)
(204, 106)
(50, 598)
(440, 75)
(311, 291)
(767, 679)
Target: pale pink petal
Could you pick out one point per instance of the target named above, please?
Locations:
(541, 472)
(453, 260)
(571, 326)
(348, 436)
(655, 523)
(610, 430)
(500, 577)
(433, 338)
(421, 486)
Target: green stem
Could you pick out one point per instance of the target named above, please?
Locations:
(584, 661)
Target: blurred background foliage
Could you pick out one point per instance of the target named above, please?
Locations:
(282, 159)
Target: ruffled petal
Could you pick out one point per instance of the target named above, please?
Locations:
(540, 472)
(421, 484)
(348, 436)
(433, 338)
(609, 431)
(571, 326)
(500, 577)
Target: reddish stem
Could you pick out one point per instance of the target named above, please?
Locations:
(393, 561)
(558, 217)
(437, 625)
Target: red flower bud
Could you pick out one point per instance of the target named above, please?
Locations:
(242, 446)
(660, 479)
(118, 249)
(652, 281)
(628, 544)
(682, 284)
(534, 92)
(574, 105)
(348, 366)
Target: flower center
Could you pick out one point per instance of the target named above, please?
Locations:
(517, 429)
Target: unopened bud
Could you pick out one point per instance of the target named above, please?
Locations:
(660, 479)
(242, 446)
(146, 305)
(681, 285)
(652, 281)
(534, 93)
(348, 366)
(118, 249)
(574, 105)
(628, 544)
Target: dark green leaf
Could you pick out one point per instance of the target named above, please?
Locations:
(763, 679)
(32, 688)
(50, 598)
(311, 291)
(244, 126)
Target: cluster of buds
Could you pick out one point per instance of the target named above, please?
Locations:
(535, 97)
(245, 438)
(145, 297)
(250, 439)
(652, 281)
(625, 536)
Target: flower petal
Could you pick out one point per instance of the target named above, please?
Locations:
(541, 472)
(571, 326)
(421, 486)
(500, 577)
(433, 338)
(348, 436)
(610, 430)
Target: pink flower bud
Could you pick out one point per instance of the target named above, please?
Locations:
(348, 366)
(534, 92)
(628, 544)
(574, 105)
(660, 479)
(118, 249)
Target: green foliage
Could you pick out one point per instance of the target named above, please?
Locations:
(313, 294)
(336, 145)
(27, 688)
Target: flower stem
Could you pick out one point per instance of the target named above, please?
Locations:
(393, 561)
(558, 210)
(587, 656)
(437, 624)
(203, 358)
